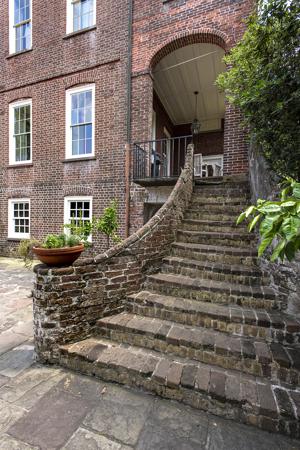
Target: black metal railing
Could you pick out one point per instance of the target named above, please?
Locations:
(162, 158)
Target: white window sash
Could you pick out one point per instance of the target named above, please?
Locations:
(13, 28)
(70, 15)
(12, 141)
(67, 212)
(69, 93)
(11, 229)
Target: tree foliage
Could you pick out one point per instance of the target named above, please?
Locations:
(279, 221)
(263, 80)
(108, 223)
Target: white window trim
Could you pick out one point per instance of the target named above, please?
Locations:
(69, 93)
(12, 141)
(67, 201)
(11, 232)
(12, 33)
(69, 21)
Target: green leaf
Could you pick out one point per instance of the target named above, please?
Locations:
(278, 250)
(296, 191)
(290, 250)
(269, 225)
(254, 222)
(288, 204)
(264, 244)
(270, 208)
(284, 193)
(241, 217)
(249, 211)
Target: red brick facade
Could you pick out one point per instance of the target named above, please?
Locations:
(99, 55)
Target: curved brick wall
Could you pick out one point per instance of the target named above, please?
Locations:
(68, 301)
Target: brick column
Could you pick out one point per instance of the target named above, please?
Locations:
(235, 147)
(141, 106)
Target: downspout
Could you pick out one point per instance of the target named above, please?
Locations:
(128, 138)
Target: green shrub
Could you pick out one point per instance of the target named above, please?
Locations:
(25, 251)
(279, 221)
(263, 81)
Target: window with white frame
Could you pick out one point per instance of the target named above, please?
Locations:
(19, 218)
(78, 210)
(80, 122)
(20, 124)
(20, 25)
(81, 14)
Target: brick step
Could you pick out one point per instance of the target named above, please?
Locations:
(208, 215)
(215, 253)
(216, 208)
(255, 357)
(204, 200)
(213, 225)
(240, 274)
(216, 191)
(260, 297)
(271, 326)
(241, 397)
(233, 239)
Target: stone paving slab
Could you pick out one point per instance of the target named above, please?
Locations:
(51, 408)
(15, 361)
(88, 440)
(51, 421)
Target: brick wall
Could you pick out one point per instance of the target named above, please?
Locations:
(43, 74)
(99, 55)
(68, 301)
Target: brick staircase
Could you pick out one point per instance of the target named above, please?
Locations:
(207, 329)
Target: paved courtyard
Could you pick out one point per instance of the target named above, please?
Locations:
(51, 408)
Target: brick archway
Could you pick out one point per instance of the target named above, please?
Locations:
(199, 36)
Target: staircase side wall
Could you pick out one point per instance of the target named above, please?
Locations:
(285, 277)
(68, 301)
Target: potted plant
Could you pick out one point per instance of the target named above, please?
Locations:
(59, 250)
(54, 250)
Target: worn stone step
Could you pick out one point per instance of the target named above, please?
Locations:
(233, 239)
(248, 355)
(209, 192)
(219, 226)
(216, 208)
(228, 393)
(199, 200)
(210, 215)
(260, 297)
(193, 268)
(215, 253)
(271, 326)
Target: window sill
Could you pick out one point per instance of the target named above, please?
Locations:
(12, 55)
(77, 33)
(87, 158)
(18, 239)
(13, 166)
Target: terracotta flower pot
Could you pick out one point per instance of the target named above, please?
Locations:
(58, 256)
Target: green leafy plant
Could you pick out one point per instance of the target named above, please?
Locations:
(108, 223)
(263, 81)
(279, 221)
(54, 241)
(25, 251)
(81, 228)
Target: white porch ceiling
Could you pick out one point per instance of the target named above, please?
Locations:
(176, 86)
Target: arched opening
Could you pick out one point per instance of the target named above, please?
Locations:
(178, 77)
(178, 72)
